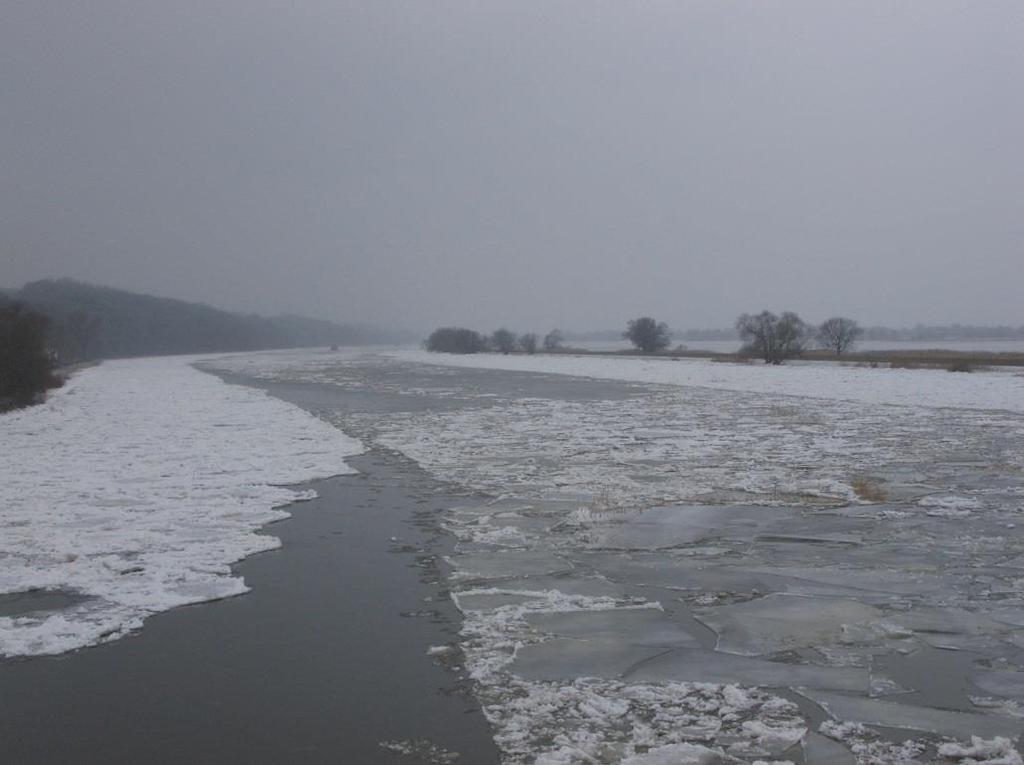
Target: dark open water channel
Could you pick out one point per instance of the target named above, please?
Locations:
(321, 662)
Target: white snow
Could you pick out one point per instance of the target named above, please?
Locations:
(949, 506)
(996, 751)
(137, 485)
(676, 754)
(998, 389)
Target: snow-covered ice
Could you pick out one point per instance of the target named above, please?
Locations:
(137, 486)
(998, 389)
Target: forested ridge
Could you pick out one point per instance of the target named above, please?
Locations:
(92, 322)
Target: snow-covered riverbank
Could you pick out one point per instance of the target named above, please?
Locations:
(137, 486)
(998, 389)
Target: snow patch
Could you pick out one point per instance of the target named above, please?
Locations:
(996, 751)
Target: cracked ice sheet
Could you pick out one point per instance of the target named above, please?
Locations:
(571, 471)
(606, 720)
(138, 484)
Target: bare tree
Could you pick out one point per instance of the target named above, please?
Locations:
(528, 343)
(773, 338)
(504, 341)
(553, 340)
(839, 334)
(647, 334)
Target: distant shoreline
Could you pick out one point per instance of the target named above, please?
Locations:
(936, 358)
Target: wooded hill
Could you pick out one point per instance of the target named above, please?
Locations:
(91, 322)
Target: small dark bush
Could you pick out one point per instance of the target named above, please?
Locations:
(961, 366)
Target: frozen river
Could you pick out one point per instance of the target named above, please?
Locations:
(679, 573)
(654, 561)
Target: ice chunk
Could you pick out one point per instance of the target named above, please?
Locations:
(998, 751)
(636, 626)
(1009, 685)
(950, 627)
(818, 748)
(673, 526)
(949, 506)
(677, 754)
(783, 622)
(713, 667)
(502, 564)
(567, 658)
(961, 725)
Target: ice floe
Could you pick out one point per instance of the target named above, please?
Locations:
(136, 486)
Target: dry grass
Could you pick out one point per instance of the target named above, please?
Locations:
(934, 359)
(868, 489)
(925, 359)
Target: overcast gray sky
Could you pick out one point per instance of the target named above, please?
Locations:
(523, 163)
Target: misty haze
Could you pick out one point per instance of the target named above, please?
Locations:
(525, 383)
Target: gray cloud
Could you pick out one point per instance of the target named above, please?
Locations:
(535, 164)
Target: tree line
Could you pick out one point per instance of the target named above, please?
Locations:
(88, 322)
(771, 337)
(462, 340)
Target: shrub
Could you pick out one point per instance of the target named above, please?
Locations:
(528, 343)
(868, 489)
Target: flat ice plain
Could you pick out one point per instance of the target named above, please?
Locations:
(134, 488)
(693, 562)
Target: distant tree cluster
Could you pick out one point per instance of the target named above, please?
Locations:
(462, 340)
(648, 335)
(26, 362)
(776, 338)
(456, 340)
